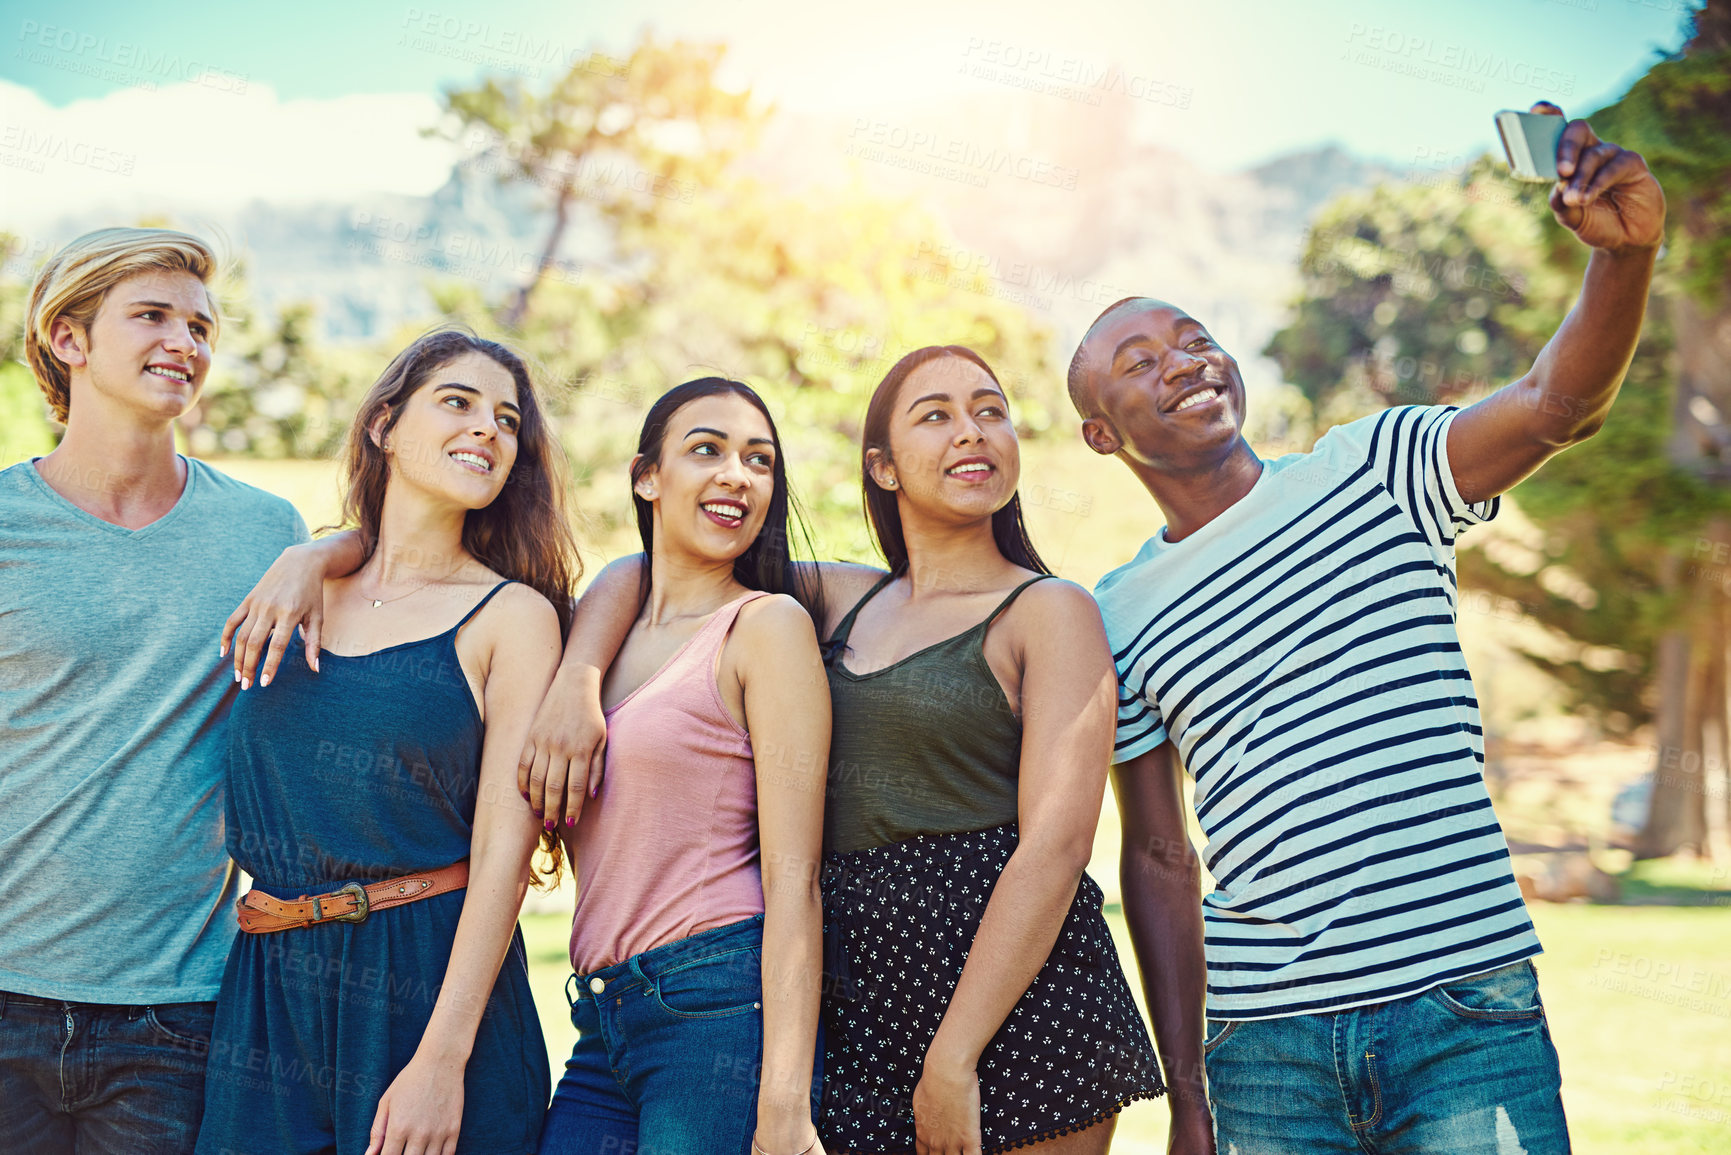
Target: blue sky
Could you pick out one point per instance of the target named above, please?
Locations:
(1237, 82)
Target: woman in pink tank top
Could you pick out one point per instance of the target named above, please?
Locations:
(697, 941)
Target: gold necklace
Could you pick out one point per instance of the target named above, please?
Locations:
(377, 602)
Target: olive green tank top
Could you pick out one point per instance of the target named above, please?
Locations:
(928, 745)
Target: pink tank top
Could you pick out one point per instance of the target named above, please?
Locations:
(668, 846)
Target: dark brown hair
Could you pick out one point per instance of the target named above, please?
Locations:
(769, 563)
(1008, 528)
(523, 534)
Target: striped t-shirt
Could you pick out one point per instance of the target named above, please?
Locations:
(1300, 651)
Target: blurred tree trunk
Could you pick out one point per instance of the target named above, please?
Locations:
(561, 218)
(1693, 757)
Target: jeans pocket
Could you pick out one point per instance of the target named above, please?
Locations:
(730, 983)
(1510, 992)
(1219, 1030)
(186, 1026)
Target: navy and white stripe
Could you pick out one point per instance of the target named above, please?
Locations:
(1300, 651)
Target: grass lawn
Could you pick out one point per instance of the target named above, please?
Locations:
(1639, 996)
(1638, 1000)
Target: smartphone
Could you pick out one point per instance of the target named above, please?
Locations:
(1530, 142)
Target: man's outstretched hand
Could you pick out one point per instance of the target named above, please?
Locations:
(1604, 194)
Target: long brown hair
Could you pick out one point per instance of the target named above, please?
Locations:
(1008, 529)
(524, 533)
(769, 563)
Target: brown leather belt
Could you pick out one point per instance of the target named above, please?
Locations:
(259, 913)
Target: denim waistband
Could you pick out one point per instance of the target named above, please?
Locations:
(642, 969)
(133, 1010)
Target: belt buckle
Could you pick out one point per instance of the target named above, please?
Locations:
(359, 914)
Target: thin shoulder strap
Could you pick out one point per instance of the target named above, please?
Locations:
(1014, 594)
(721, 621)
(838, 640)
(484, 600)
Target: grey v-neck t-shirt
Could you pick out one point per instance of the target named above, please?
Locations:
(114, 878)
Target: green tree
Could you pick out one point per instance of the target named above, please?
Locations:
(1679, 117)
(273, 391)
(1441, 293)
(25, 430)
(623, 137)
(811, 296)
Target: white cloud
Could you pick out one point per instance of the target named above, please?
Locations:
(198, 148)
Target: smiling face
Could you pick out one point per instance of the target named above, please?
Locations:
(953, 452)
(147, 350)
(457, 435)
(711, 487)
(1163, 392)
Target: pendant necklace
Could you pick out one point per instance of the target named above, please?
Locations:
(377, 602)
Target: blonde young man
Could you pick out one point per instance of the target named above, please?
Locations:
(119, 560)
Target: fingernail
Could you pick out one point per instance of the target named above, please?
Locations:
(592, 790)
(525, 795)
(315, 665)
(246, 683)
(570, 821)
(549, 826)
(237, 675)
(264, 681)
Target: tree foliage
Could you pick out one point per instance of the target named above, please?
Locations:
(1443, 292)
(810, 295)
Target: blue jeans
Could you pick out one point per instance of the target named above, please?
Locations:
(1465, 1068)
(669, 1048)
(96, 1079)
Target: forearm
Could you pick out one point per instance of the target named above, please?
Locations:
(337, 554)
(498, 880)
(601, 621)
(1016, 935)
(792, 988)
(1577, 374)
(1162, 905)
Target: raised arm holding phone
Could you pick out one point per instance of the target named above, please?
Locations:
(1289, 639)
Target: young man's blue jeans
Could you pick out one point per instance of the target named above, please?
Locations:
(669, 1046)
(1465, 1068)
(94, 1079)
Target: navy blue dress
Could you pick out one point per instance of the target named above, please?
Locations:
(364, 771)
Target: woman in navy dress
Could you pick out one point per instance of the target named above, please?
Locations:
(381, 1002)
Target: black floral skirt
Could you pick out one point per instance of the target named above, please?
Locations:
(899, 921)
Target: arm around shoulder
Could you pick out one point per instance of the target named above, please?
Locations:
(1069, 704)
(561, 761)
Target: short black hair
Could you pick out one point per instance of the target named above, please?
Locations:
(1078, 376)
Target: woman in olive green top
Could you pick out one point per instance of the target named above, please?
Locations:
(976, 1000)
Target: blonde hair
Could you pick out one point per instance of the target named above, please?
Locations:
(76, 279)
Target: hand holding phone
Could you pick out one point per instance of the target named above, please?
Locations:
(1602, 193)
(1530, 142)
